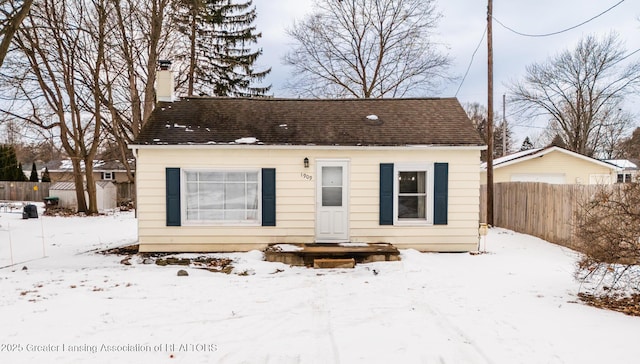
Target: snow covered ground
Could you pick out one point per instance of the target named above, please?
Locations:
(62, 303)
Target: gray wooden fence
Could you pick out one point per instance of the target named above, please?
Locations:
(126, 192)
(24, 191)
(548, 211)
(37, 191)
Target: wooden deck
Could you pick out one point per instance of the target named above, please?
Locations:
(305, 254)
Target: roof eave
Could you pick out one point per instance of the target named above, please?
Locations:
(308, 146)
(545, 151)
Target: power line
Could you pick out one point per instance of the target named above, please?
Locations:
(471, 61)
(560, 31)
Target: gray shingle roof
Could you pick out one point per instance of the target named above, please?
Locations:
(346, 122)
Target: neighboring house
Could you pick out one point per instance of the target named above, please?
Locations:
(628, 172)
(552, 164)
(66, 194)
(235, 174)
(115, 171)
(109, 171)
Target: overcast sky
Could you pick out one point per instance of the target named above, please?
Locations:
(461, 29)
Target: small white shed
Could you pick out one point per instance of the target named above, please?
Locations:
(106, 194)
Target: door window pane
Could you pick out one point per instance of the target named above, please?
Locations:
(331, 196)
(331, 186)
(332, 176)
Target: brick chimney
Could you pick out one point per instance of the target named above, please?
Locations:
(164, 82)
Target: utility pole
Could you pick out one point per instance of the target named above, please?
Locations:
(504, 125)
(490, 113)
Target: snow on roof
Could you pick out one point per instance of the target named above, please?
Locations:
(511, 157)
(71, 186)
(98, 165)
(622, 163)
(63, 186)
(247, 140)
(532, 153)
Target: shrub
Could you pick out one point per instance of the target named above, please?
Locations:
(609, 232)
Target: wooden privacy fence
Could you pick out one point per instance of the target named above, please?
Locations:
(24, 191)
(548, 211)
(126, 192)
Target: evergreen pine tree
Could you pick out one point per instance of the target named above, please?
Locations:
(4, 158)
(20, 176)
(10, 169)
(558, 142)
(526, 144)
(45, 175)
(220, 33)
(34, 173)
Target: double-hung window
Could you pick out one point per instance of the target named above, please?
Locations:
(413, 189)
(222, 196)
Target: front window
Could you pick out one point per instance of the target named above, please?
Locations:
(108, 176)
(412, 197)
(222, 196)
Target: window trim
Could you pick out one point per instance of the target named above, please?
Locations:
(111, 176)
(429, 191)
(230, 223)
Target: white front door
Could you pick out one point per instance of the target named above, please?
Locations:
(332, 208)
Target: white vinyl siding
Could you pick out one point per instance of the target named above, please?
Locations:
(296, 198)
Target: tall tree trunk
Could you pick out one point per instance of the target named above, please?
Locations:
(12, 27)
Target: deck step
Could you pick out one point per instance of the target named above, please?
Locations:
(334, 263)
(305, 254)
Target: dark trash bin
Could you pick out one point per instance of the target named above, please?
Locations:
(51, 201)
(30, 211)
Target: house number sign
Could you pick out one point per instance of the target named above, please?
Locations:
(306, 176)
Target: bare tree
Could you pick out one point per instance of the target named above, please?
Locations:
(580, 91)
(141, 34)
(13, 13)
(367, 48)
(607, 232)
(629, 147)
(477, 113)
(614, 133)
(51, 83)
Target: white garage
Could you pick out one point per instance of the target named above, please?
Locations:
(553, 178)
(553, 165)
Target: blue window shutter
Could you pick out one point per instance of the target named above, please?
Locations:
(173, 196)
(440, 193)
(386, 193)
(268, 197)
